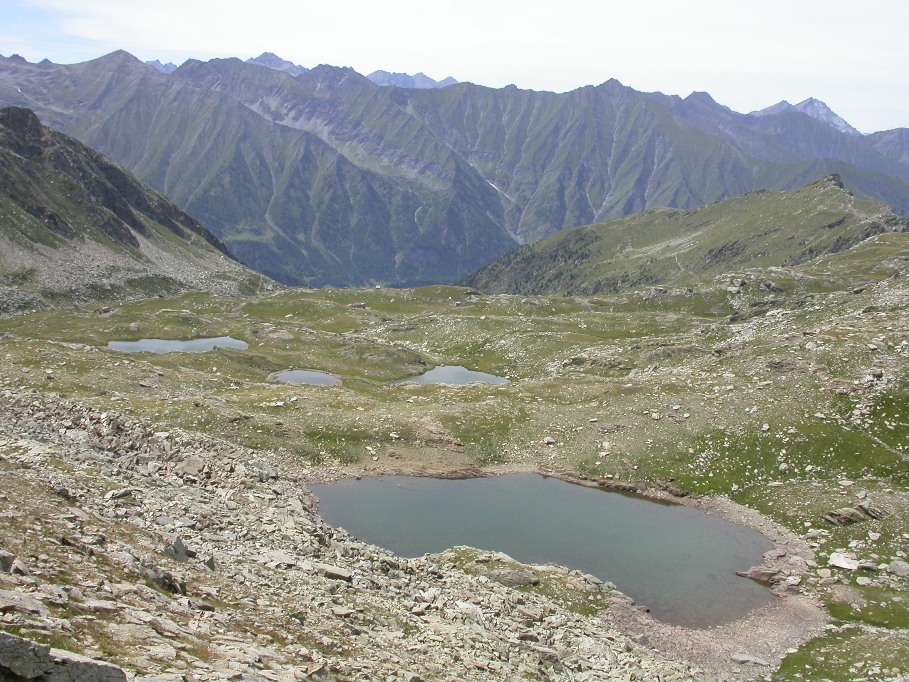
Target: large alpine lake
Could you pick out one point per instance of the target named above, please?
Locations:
(677, 561)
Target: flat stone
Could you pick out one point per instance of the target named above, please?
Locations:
(899, 568)
(760, 574)
(745, 659)
(16, 601)
(334, 572)
(838, 560)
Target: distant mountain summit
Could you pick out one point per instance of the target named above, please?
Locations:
(273, 61)
(402, 80)
(168, 68)
(814, 108)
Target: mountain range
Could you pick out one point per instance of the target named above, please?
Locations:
(323, 177)
(75, 227)
(380, 77)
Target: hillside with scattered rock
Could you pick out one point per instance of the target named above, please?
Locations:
(157, 516)
(76, 228)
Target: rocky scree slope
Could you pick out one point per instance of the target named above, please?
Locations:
(326, 178)
(171, 555)
(74, 227)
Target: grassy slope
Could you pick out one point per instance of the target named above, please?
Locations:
(680, 248)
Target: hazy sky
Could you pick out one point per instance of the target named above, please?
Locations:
(748, 55)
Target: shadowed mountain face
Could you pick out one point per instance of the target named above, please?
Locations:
(760, 230)
(74, 225)
(323, 177)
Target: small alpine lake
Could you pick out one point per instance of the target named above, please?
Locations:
(676, 560)
(453, 375)
(305, 377)
(161, 346)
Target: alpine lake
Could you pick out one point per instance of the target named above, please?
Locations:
(677, 561)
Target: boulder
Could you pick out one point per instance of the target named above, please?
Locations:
(193, 466)
(515, 577)
(162, 578)
(872, 510)
(899, 568)
(22, 659)
(179, 551)
(6, 561)
(838, 560)
(845, 516)
(334, 572)
(761, 574)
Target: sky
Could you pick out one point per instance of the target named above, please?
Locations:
(747, 55)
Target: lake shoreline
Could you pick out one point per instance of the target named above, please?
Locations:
(761, 639)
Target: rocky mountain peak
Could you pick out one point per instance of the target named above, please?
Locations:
(327, 77)
(814, 108)
(835, 180)
(166, 69)
(21, 121)
(403, 80)
(819, 111)
(782, 105)
(273, 61)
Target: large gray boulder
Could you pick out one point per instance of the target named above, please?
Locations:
(22, 660)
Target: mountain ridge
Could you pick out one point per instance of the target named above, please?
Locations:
(667, 247)
(434, 182)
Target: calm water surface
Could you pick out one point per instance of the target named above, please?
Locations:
(677, 561)
(165, 346)
(453, 375)
(306, 377)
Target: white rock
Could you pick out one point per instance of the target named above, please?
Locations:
(839, 560)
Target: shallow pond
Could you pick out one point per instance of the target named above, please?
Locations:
(166, 346)
(677, 561)
(305, 377)
(453, 375)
